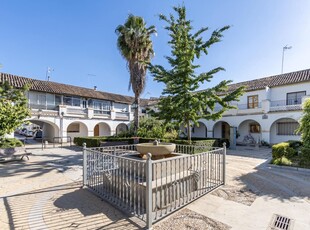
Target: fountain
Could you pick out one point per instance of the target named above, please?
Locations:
(157, 149)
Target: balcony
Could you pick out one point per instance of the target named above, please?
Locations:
(42, 106)
(244, 109)
(124, 116)
(105, 114)
(76, 112)
(286, 105)
(241, 109)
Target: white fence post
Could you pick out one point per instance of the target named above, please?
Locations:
(149, 202)
(224, 163)
(84, 165)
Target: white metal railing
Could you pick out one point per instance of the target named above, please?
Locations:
(151, 189)
(246, 106)
(282, 105)
(42, 106)
(122, 115)
(78, 110)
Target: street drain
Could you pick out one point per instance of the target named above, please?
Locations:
(281, 223)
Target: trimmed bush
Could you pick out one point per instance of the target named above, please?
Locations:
(305, 157)
(95, 141)
(294, 144)
(10, 143)
(282, 161)
(283, 149)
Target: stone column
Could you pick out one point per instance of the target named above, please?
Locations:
(233, 141)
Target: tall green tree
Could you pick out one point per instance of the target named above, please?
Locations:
(13, 108)
(135, 45)
(304, 129)
(181, 99)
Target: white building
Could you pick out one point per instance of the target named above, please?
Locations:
(268, 111)
(69, 111)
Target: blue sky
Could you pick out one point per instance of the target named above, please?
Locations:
(77, 39)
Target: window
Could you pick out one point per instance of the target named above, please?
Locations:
(102, 107)
(295, 98)
(254, 128)
(72, 101)
(73, 128)
(253, 102)
(41, 100)
(57, 100)
(287, 128)
(85, 103)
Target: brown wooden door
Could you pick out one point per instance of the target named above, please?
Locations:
(96, 131)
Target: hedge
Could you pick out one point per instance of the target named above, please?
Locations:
(283, 149)
(95, 141)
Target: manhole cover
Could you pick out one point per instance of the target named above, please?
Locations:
(281, 223)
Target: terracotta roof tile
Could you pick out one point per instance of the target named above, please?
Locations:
(273, 81)
(58, 88)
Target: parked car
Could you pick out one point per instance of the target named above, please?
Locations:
(23, 131)
(28, 133)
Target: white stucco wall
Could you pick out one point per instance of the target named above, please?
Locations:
(274, 138)
(262, 95)
(279, 93)
(200, 131)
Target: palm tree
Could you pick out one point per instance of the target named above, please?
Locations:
(136, 47)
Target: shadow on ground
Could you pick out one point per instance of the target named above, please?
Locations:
(35, 168)
(64, 207)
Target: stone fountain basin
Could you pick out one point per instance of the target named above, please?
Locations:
(156, 150)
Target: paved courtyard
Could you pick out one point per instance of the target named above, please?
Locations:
(45, 193)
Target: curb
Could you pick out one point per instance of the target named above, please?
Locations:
(304, 170)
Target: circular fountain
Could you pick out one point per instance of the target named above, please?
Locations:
(158, 150)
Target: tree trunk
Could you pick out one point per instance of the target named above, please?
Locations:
(136, 114)
(189, 132)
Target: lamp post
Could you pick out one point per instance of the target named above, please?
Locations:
(284, 48)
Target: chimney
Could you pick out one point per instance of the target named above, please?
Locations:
(95, 87)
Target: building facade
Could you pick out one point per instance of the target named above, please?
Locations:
(268, 111)
(68, 111)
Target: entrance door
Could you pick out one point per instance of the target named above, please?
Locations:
(96, 131)
(225, 130)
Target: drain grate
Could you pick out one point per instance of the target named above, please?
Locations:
(281, 223)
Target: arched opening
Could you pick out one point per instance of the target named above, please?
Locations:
(283, 130)
(121, 128)
(221, 129)
(48, 129)
(200, 130)
(77, 129)
(249, 132)
(102, 129)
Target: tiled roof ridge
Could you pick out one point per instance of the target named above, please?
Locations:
(283, 75)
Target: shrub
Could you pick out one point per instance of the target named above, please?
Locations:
(283, 149)
(282, 161)
(305, 157)
(10, 143)
(295, 144)
(95, 141)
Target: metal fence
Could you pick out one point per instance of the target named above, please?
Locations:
(151, 189)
